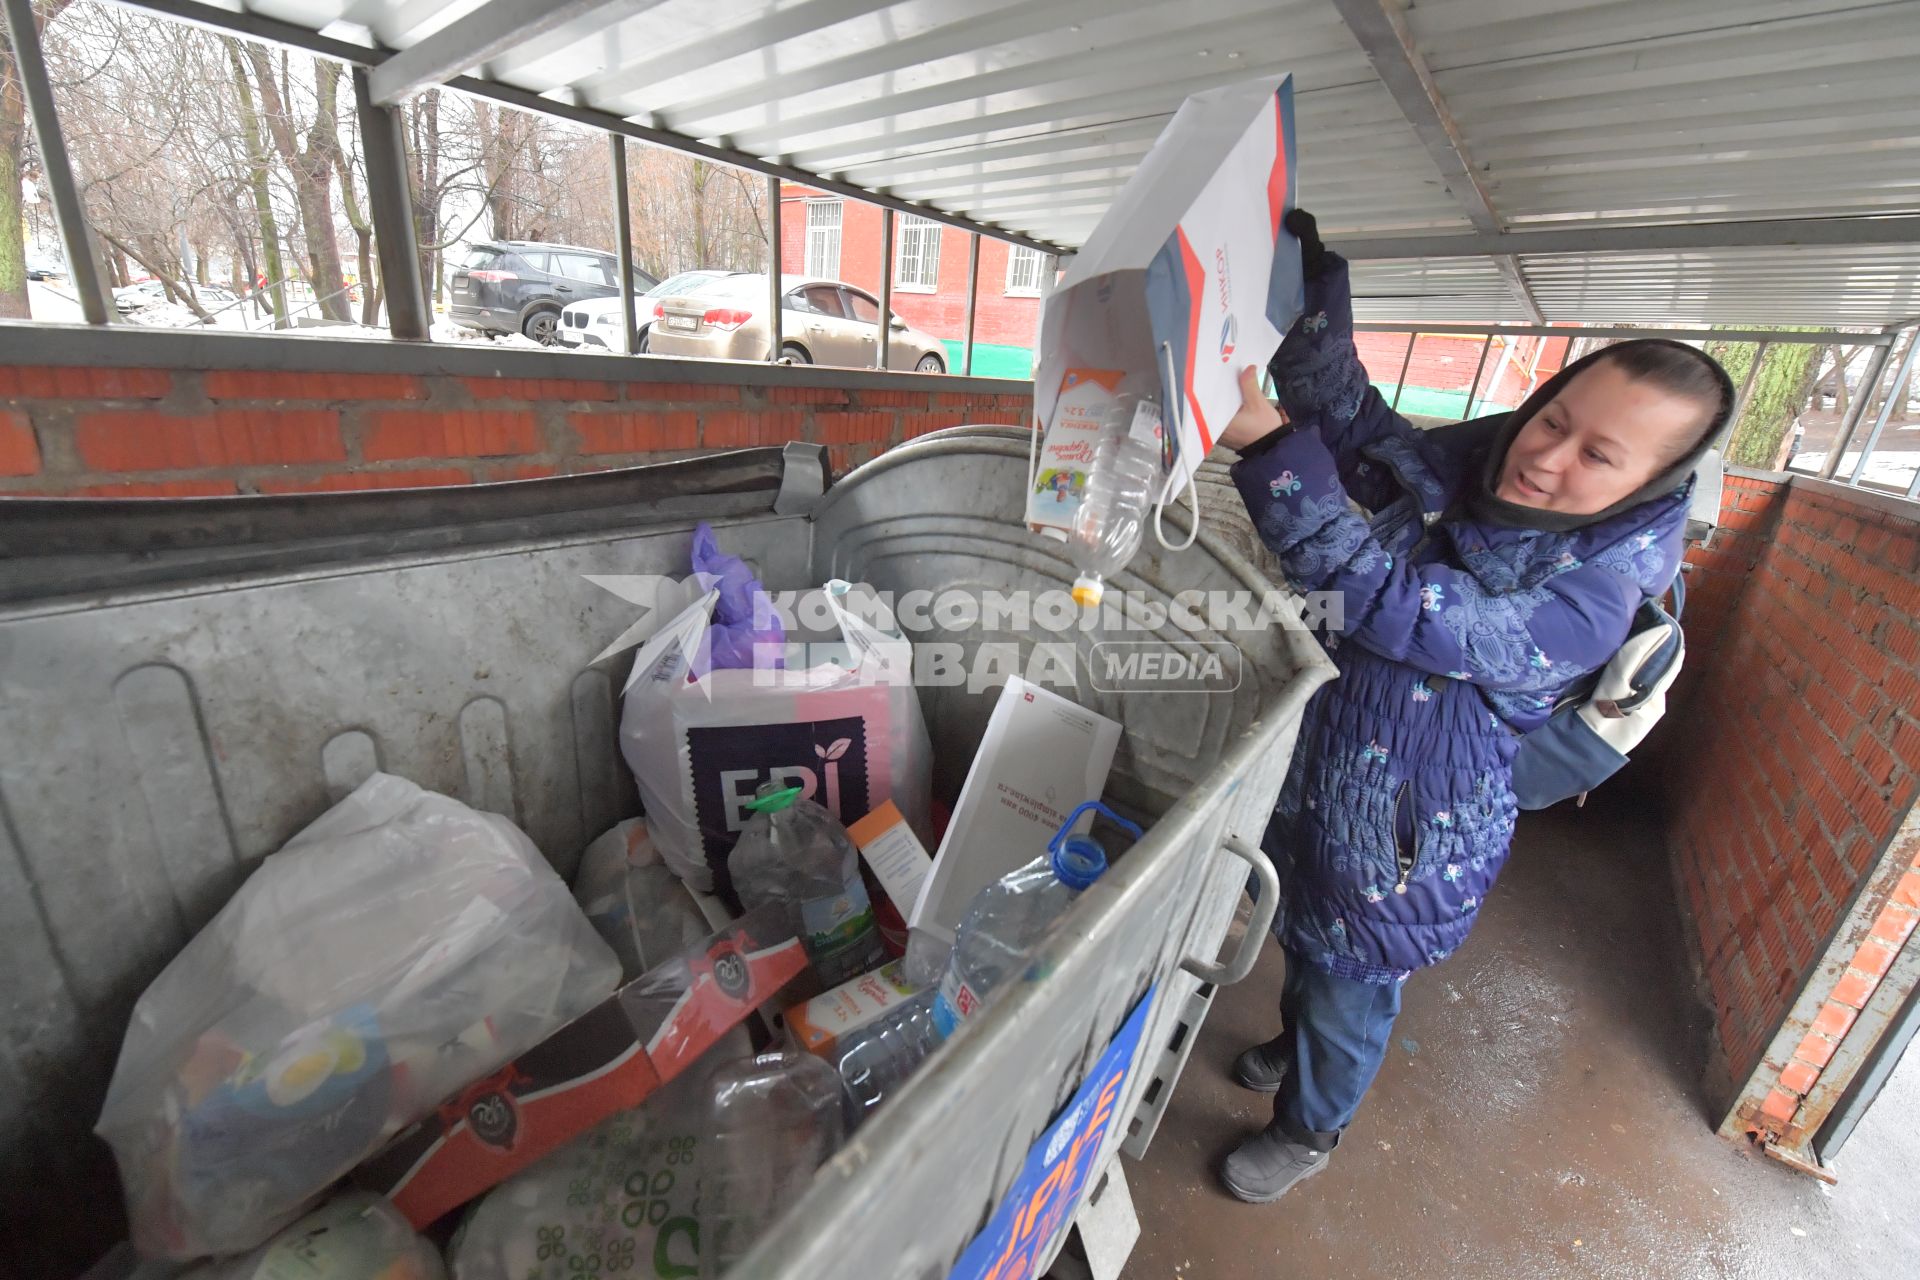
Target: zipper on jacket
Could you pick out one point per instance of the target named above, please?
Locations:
(1407, 848)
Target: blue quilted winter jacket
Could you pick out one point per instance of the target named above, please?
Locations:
(1454, 637)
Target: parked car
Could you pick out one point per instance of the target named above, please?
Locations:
(824, 322)
(595, 324)
(521, 286)
(39, 270)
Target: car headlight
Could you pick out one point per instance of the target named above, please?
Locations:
(606, 318)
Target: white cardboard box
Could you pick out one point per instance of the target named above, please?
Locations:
(1041, 757)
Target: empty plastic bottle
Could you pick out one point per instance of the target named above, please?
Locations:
(876, 1059)
(774, 1119)
(795, 853)
(1008, 918)
(1122, 485)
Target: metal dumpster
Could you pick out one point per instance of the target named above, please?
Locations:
(185, 685)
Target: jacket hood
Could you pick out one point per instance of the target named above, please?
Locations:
(1484, 480)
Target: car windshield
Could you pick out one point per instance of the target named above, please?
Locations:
(734, 287)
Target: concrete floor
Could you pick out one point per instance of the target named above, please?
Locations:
(1539, 1115)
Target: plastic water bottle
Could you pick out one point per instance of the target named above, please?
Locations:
(1121, 488)
(875, 1060)
(1008, 918)
(774, 1120)
(1003, 924)
(795, 853)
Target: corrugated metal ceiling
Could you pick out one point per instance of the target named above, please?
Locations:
(1028, 117)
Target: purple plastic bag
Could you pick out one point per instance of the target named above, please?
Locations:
(731, 633)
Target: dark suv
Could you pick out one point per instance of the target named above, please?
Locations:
(519, 286)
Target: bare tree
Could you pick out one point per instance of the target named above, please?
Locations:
(14, 154)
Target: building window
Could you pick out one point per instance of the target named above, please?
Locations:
(823, 238)
(1024, 266)
(917, 262)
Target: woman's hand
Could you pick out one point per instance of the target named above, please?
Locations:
(1257, 417)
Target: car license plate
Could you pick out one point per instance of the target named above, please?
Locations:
(684, 323)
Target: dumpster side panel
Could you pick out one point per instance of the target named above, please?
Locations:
(155, 745)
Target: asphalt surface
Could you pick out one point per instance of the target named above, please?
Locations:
(1540, 1114)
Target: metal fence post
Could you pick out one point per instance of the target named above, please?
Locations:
(776, 327)
(1478, 369)
(1843, 431)
(973, 298)
(1886, 409)
(623, 242)
(886, 288)
(68, 211)
(409, 316)
(1400, 385)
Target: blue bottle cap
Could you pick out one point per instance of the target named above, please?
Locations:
(1079, 861)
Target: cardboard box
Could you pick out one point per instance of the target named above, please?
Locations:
(818, 1024)
(1041, 757)
(608, 1060)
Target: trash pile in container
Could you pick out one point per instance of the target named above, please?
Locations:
(406, 1049)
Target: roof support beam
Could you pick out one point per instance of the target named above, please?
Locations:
(484, 34)
(1381, 28)
(1650, 239)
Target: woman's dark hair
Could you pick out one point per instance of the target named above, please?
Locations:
(1678, 370)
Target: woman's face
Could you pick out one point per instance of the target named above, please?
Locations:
(1602, 437)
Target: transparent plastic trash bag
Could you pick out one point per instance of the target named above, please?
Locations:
(635, 901)
(357, 1236)
(399, 948)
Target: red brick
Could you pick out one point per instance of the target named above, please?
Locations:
(1817, 1050)
(647, 431)
(1873, 958)
(805, 395)
(19, 450)
(874, 426)
(460, 433)
(1799, 1077)
(141, 440)
(1853, 989)
(1833, 1020)
(34, 382)
(1901, 642)
(1893, 926)
(350, 481)
(540, 389)
(158, 489)
(1779, 1106)
(671, 392)
(876, 398)
(739, 429)
(273, 384)
(1907, 892)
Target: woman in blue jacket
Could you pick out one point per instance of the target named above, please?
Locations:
(1483, 569)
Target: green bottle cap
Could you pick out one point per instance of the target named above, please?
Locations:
(773, 801)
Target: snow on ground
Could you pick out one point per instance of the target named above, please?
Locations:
(1894, 467)
(55, 303)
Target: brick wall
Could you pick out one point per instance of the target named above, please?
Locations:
(145, 432)
(999, 317)
(1788, 761)
(1445, 362)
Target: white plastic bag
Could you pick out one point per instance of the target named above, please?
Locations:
(634, 901)
(357, 1236)
(850, 735)
(394, 951)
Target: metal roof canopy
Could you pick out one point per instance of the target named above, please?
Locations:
(1664, 161)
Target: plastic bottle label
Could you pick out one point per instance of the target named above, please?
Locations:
(953, 1005)
(840, 936)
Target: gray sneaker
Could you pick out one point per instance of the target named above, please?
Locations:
(1268, 1165)
(1262, 1067)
